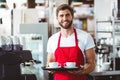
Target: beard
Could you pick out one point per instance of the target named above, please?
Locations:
(67, 26)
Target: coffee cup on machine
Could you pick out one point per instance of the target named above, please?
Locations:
(105, 66)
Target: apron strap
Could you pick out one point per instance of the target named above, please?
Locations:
(76, 39)
(59, 40)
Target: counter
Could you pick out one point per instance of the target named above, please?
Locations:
(107, 75)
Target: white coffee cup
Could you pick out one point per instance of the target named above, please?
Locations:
(53, 65)
(105, 66)
(70, 64)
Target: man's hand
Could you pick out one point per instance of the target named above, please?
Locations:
(51, 71)
(78, 72)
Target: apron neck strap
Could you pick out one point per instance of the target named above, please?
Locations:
(76, 39)
(59, 40)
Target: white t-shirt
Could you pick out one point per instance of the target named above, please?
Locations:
(85, 41)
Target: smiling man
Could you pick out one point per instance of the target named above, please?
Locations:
(70, 45)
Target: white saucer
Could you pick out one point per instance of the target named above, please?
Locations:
(54, 67)
(69, 67)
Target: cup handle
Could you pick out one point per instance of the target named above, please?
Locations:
(64, 64)
(59, 65)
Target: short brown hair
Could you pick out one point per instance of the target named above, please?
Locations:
(63, 7)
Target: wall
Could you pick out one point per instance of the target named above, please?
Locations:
(103, 9)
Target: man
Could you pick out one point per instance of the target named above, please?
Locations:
(70, 45)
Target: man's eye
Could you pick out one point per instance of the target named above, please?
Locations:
(68, 15)
(61, 15)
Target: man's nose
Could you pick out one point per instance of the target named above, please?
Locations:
(65, 18)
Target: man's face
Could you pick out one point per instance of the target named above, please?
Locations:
(65, 18)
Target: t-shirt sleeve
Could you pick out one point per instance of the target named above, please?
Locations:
(49, 49)
(52, 43)
(89, 42)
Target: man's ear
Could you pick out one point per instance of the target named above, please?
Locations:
(73, 16)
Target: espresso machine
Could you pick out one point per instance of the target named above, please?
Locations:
(102, 56)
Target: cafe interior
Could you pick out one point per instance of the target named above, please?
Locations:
(26, 25)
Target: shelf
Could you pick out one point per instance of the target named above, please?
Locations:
(105, 73)
(88, 2)
(104, 31)
(103, 21)
(117, 46)
(84, 17)
(91, 2)
(117, 21)
(117, 32)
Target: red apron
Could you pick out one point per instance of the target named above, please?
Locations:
(69, 54)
